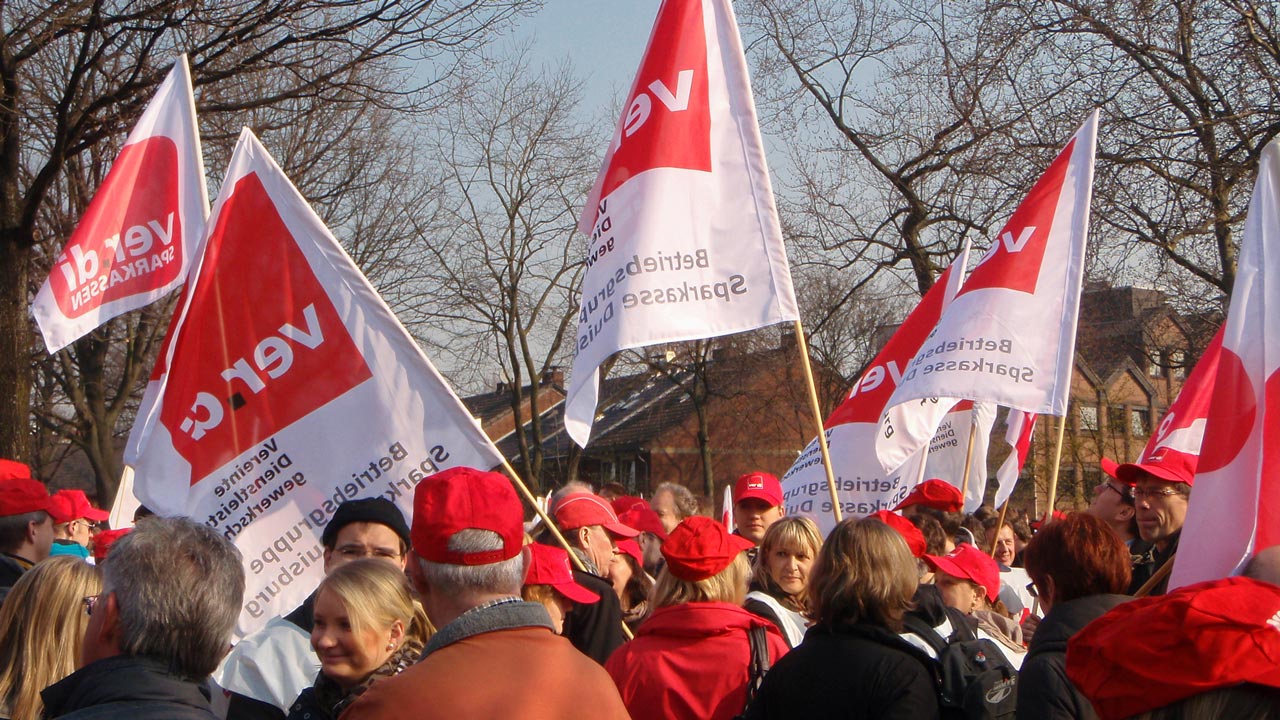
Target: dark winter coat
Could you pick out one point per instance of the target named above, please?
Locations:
(1043, 688)
(595, 628)
(860, 671)
(126, 688)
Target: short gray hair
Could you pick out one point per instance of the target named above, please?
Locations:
(505, 576)
(179, 586)
(686, 503)
(13, 528)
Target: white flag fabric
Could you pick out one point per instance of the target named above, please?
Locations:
(862, 487)
(290, 389)
(136, 240)
(685, 241)
(1021, 426)
(950, 447)
(1009, 337)
(1235, 507)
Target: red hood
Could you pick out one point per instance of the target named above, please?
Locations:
(702, 619)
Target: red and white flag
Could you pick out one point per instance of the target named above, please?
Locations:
(1173, 450)
(949, 449)
(685, 241)
(1009, 337)
(862, 486)
(135, 242)
(1235, 508)
(290, 389)
(1021, 426)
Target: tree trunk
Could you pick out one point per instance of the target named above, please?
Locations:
(15, 348)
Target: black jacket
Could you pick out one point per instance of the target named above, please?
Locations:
(11, 568)
(595, 628)
(126, 688)
(1147, 559)
(1043, 688)
(861, 671)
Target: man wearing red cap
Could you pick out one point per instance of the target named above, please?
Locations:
(592, 528)
(74, 518)
(757, 504)
(494, 655)
(26, 528)
(1113, 504)
(1161, 492)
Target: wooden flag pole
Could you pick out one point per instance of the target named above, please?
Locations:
(1053, 470)
(803, 347)
(999, 526)
(1156, 577)
(546, 520)
(968, 461)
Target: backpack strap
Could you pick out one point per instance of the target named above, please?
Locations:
(917, 626)
(758, 636)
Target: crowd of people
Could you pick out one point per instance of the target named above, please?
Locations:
(614, 606)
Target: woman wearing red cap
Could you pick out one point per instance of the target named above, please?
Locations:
(367, 627)
(690, 659)
(852, 664)
(630, 582)
(969, 581)
(781, 575)
(549, 580)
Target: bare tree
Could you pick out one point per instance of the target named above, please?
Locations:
(75, 75)
(518, 161)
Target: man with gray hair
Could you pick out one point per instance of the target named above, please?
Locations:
(171, 592)
(26, 528)
(494, 655)
(673, 502)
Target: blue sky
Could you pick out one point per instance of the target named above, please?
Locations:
(603, 39)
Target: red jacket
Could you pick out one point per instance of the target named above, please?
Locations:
(690, 661)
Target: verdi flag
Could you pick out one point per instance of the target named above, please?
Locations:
(862, 486)
(1235, 508)
(1009, 337)
(286, 388)
(1173, 450)
(949, 449)
(1018, 435)
(684, 236)
(136, 240)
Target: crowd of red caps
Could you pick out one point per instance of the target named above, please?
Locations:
(1142, 655)
(20, 494)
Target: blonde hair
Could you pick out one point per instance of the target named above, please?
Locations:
(729, 585)
(865, 573)
(794, 532)
(42, 626)
(376, 594)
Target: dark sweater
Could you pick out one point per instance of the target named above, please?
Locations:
(1043, 688)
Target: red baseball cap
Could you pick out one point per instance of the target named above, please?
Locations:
(935, 493)
(760, 486)
(632, 548)
(700, 547)
(68, 505)
(906, 528)
(1109, 466)
(10, 469)
(1154, 651)
(549, 565)
(21, 495)
(583, 509)
(464, 498)
(644, 519)
(1165, 464)
(103, 541)
(624, 503)
(969, 563)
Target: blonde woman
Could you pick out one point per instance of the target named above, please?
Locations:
(42, 625)
(367, 627)
(691, 657)
(781, 575)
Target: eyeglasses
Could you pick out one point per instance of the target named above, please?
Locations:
(89, 602)
(1106, 485)
(353, 552)
(1152, 493)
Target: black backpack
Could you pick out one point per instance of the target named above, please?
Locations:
(974, 679)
